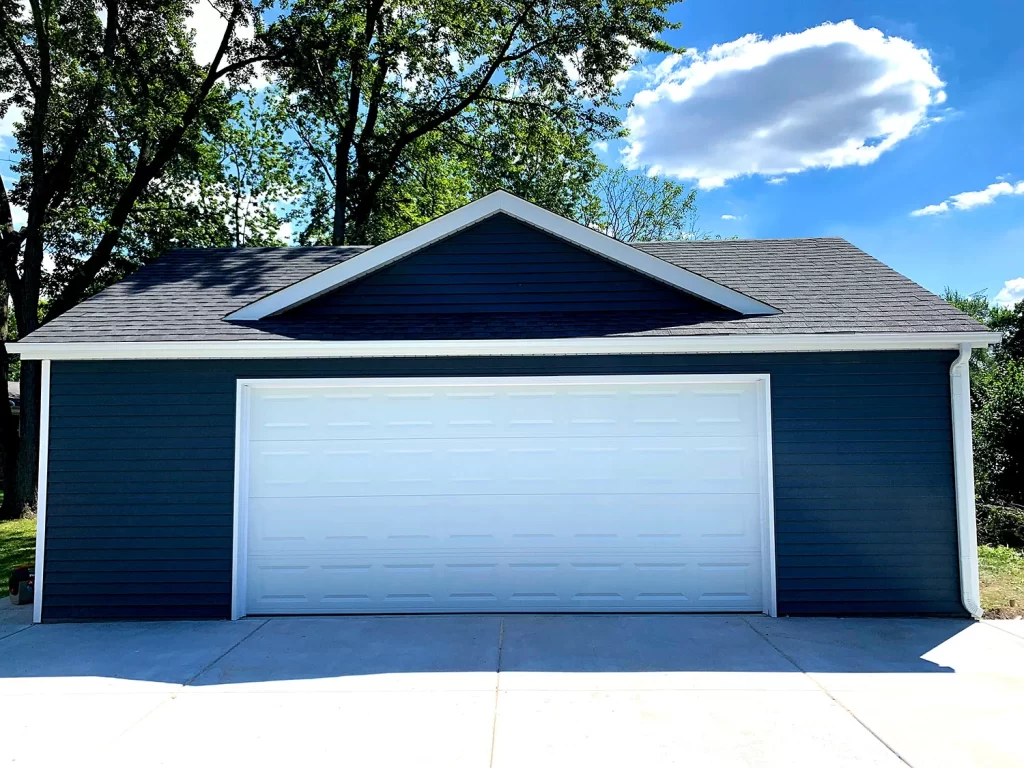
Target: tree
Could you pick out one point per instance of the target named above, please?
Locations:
(372, 84)
(633, 206)
(999, 434)
(997, 399)
(114, 103)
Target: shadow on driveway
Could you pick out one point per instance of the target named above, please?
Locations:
(283, 649)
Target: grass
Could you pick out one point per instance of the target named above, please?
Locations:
(1002, 581)
(17, 546)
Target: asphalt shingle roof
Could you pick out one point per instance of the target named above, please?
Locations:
(821, 285)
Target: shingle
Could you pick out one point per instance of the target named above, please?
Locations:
(820, 285)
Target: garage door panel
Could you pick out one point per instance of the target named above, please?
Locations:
(505, 495)
(504, 524)
(680, 582)
(501, 411)
(503, 466)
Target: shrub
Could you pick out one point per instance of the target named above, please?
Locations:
(999, 434)
(1000, 526)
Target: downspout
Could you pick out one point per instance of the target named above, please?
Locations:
(963, 464)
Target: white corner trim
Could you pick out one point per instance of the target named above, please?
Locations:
(963, 462)
(468, 215)
(771, 585)
(244, 387)
(613, 345)
(240, 512)
(44, 456)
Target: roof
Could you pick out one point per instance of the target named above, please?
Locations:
(820, 286)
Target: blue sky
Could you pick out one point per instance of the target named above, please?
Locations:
(874, 127)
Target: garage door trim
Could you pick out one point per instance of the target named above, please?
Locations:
(245, 387)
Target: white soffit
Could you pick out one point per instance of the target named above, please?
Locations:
(500, 202)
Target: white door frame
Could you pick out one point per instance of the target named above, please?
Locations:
(244, 388)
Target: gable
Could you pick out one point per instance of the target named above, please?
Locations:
(466, 217)
(500, 264)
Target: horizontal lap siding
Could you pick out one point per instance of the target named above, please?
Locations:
(139, 519)
(500, 265)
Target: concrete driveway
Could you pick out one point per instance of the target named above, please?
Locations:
(517, 691)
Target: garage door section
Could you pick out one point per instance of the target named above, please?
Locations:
(587, 494)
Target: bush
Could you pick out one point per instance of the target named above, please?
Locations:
(999, 434)
(1000, 526)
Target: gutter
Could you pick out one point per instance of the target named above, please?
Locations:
(609, 345)
(963, 464)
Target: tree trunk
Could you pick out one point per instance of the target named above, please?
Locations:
(28, 445)
(10, 509)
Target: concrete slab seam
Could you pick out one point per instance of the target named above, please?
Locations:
(497, 689)
(827, 692)
(199, 674)
(998, 627)
(172, 696)
(16, 632)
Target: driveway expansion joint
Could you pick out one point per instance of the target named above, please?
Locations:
(826, 691)
(497, 688)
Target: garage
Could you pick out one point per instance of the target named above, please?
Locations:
(560, 494)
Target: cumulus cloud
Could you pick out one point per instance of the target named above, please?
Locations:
(729, 217)
(778, 180)
(831, 96)
(967, 200)
(209, 24)
(1011, 293)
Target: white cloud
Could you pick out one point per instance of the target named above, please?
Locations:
(601, 146)
(967, 200)
(14, 114)
(1011, 293)
(931, 210)
(284, 232)
(831, 96)
(778, 179)
(729, 217)
(209, 25)
(19, 216)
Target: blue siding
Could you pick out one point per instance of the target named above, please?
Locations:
(501, 265)
(142, 458)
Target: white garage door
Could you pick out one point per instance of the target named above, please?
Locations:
(539, 494)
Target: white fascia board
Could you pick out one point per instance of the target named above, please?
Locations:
(499, 202)
(634, 345)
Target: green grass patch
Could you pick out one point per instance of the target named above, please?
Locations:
(1001, 570)
(17, 546)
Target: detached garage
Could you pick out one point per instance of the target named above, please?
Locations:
(506, 411)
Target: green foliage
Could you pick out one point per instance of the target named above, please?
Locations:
(635, 206)
(997, 396)
(999, 433)
(1001, 526)
(510, 94)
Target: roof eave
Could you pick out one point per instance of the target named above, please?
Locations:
(286, 348)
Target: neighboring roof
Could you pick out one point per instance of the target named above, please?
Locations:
(500, 203)
(820, 286)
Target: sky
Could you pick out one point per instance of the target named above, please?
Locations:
(896, 124)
